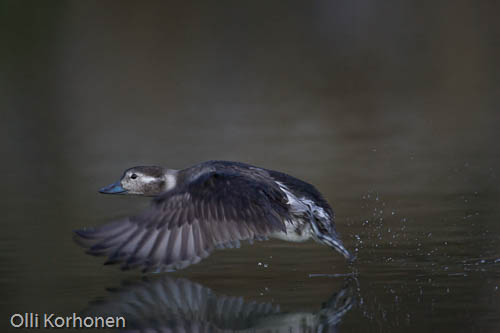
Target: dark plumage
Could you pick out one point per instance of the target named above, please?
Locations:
(209, 205)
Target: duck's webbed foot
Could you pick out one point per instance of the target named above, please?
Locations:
(328, 235)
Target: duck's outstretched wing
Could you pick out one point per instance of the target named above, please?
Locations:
(217, 209)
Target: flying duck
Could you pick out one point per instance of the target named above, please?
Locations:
(214, 204)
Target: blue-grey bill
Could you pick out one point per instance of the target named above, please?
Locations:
(115, 188)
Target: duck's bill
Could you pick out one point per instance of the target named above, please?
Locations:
(115, 188)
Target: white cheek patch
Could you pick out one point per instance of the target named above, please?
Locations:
(171, 181)
(148, 179)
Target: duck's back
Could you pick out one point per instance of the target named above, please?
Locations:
(299, 188)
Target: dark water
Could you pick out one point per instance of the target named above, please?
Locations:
(390, 110)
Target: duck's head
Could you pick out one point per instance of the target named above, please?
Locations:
(143, 180)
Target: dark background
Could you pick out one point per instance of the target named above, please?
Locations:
(390, 108)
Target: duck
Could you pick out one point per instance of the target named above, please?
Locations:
(210, 205)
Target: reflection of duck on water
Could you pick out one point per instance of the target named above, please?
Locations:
(167, 304)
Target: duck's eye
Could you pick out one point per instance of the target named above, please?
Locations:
(133, 176)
